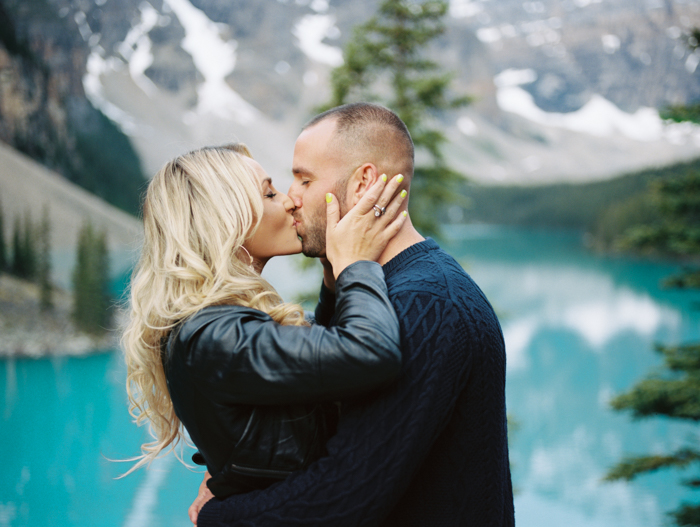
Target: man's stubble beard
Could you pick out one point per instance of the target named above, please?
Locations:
(313, 244)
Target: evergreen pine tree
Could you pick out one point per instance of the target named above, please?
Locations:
(103, 297)
(385, 62)
(18, 256)
(3, 247)
(44, 262)
(30, 252)
(675, 390)
(91, 305)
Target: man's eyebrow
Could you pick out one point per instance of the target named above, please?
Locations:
(301, 170)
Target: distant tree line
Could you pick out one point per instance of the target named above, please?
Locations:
(29, 257)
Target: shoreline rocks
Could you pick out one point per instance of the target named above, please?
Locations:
(28, 332)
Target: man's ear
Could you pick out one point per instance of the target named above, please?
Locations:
(360, 182)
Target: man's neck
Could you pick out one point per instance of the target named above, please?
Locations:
(407, 236)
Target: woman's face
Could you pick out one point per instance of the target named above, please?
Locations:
(277, 233)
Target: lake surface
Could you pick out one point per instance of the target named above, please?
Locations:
(579, 328)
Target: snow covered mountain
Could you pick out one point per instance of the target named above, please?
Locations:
(566, 89)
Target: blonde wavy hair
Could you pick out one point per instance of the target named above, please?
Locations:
(198, 211)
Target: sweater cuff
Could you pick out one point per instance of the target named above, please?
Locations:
(325, 309)
(209, 514)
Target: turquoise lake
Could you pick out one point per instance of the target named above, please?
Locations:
(579, 328)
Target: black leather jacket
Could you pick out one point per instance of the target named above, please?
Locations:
(256, 396)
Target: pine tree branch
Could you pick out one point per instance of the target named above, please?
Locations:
(631, 467)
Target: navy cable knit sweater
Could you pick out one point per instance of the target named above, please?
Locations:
(429, 451)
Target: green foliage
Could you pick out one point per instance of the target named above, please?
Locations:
(24, 256)
(631, 467)
(109, 165)
(620, 217)
(687, 515)
(673, 391)
(680, 113)
(677, 232)
(385, 62)
(44, 262)
(91, 301)
(606, 209)
(3, 247)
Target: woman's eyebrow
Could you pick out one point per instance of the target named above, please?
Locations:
(267, 180)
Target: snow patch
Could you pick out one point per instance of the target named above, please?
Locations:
(136, 48)
(611, 43)
(691, 63)
(320, 6)
(83, 26)
(464, 8)
(467, 126)
(598, 117)
(310, 31)
(488, 35)
(513, 77)
(215, 59)
(92, 84)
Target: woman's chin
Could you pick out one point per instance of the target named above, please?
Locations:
(292, 249)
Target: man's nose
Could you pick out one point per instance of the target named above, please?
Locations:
(294, 195)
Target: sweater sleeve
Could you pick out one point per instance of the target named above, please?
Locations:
(380, 444)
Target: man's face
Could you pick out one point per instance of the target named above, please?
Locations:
(317, 170)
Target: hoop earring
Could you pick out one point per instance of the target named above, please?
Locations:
(250, 264)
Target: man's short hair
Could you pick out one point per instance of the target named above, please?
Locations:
(358, 123)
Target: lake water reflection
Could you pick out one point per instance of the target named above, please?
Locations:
(578, 328)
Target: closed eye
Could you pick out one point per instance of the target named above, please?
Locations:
(270, 195)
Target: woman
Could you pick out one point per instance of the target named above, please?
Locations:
(211, 346)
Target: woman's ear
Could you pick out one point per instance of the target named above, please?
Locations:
(361, 181)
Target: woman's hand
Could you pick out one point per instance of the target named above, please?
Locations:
(361, 235)
(203, 496)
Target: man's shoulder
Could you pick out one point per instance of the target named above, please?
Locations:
(431, 281)
(429, 272)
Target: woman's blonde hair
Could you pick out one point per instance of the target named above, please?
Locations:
(197, 212)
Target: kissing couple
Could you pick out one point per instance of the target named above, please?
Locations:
(384, 408)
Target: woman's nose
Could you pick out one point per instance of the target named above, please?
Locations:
(288, 203)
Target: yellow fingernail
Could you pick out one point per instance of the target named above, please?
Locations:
(405, 213)
(404, 193)
(384, 178)
(399, 178)
(329, 197)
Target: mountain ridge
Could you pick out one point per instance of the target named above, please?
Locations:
(267, 64)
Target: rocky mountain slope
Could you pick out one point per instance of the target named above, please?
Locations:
(566, 90)
(43, 109)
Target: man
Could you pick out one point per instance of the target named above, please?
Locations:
(432, 449)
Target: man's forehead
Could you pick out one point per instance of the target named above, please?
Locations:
(315, 149)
